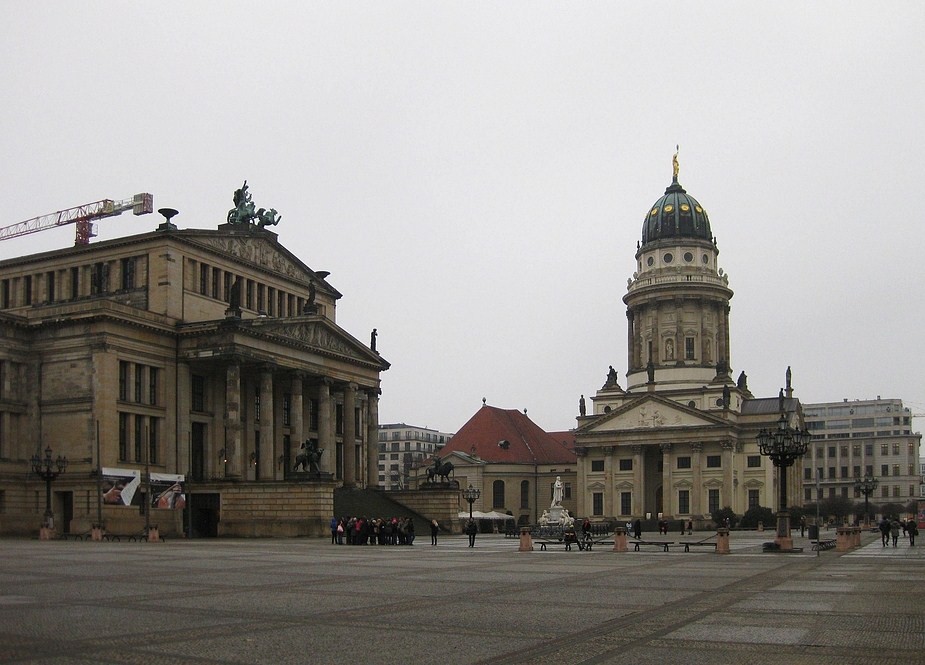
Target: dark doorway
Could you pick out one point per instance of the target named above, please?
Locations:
(65, 501)
(198, 452)
(205, 509)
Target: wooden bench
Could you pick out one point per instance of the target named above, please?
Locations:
(661, 543)
(688, 544)
(823, 544)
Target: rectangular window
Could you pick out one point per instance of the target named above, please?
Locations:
(566, 490)
(689, 348)
(216, 275)
(198, 393)
(807, 473)
(626, 503)
(27, 289)
(75, 283)
(139, 438)
(152, 385)
(123, 380)
(525, 494)
(896, 470)
(128, 273)
(868, 449)
(597, 503)
(831, 451)
(753, 501)
(123, 437)
(226, 295)
(597, 465)
(754, 462)
(713, 500)
(204, 279)
(249, 295)
(257, 404)
(714, 461)
(844, 472)
(497, 494)
(856, 470)
(684, 463)
(831, 473)
(884, 470)
(684, 502)
(50, 287)
(896, 448)
(5, 294)
(287, 409)
(152, 440)
(339, 419)
(139, 381)
(625, 464)
(884, 449)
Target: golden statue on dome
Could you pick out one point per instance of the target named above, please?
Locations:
(674, 162)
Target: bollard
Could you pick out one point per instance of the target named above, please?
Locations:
(45, 533)
(722, 541)
(526, 540)
(619, 539)
(843, 539)
(96, 533)
(154, 535)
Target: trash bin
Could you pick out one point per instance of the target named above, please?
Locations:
(814, 532)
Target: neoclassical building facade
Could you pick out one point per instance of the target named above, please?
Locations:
(679, 441)
(209, 354)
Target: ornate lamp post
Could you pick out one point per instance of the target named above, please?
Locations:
(866, 486)
(783, 445)
(471, 494)
(48, 469)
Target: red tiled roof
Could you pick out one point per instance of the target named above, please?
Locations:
(527, 443)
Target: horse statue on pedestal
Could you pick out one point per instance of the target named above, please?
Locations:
(439, 469)
(308, 457)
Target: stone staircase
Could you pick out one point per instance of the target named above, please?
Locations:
(373, 503)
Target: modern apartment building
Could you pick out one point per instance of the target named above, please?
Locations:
(401, 446)
(858, 438)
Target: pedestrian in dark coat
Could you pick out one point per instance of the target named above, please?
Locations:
(434, 530)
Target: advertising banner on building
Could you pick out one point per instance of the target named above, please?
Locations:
(125, 487)
(920, 515)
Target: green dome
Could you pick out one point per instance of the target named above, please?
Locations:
(676, 215)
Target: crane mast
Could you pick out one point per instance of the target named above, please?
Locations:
(83, 216)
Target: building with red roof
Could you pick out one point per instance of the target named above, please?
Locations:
(511, 460)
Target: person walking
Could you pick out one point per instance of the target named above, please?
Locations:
(894, 531)
(913, 530)
(637, 529)
(471, 530)
(884, 531)
(334, 523)
(434, 530)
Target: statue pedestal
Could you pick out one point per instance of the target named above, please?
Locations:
(555, 515)
(526, 540)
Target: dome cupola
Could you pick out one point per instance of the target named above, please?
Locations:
(677, 214)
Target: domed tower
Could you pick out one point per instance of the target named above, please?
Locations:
(677, 302)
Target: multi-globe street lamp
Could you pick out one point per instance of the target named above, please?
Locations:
(471, 494)
(866, 486)
(48, 469)
(783, 445)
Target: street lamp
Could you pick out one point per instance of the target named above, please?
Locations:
(471, 494)
(866, 486)
(48, 469)
(783, 445)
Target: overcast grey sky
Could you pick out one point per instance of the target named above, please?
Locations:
(475, 175)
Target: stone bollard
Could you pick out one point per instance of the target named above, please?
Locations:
(619, 539)
(154, 535)
(761, 526)
(857, 536)
(526, 540)
(45, 533)
(844, 539)
(722, 541)
(96, 533)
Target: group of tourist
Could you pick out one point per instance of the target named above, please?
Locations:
(376, 531)
(890, 528)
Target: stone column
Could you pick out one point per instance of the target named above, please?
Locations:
(232, 444)
(667, 491)
(350, 435)
(325, 431)
(608, 481)
(697, 479)
(181, 406)
(372, 438)
(726, 494)
(581, 502)
(296, 422)
(630, 341)
(639, 482)
(267, 438)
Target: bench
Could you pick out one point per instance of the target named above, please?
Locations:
(823, 544)
(688, 544)
(661, 543)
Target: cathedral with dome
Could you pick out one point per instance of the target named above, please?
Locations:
(678, 439)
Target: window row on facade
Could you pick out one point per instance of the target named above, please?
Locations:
(683, 502)
(885, 492)
(72, 283)
(681, 462)
(216, 283)
(886, 470)
(896, 448)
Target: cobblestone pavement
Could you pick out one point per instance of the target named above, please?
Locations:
(307, 601)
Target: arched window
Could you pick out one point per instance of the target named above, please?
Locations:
(524, 493)
(497, 494)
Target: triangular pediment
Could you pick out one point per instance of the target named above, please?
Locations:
(318, 334)
(651, 412)
(257, 251)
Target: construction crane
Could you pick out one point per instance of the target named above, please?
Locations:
(83, 216)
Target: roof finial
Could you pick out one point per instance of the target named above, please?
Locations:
(674, 162)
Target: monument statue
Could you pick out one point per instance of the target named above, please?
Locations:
(557, 492)
(309, 456)
(581, 405)
(245, 212)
